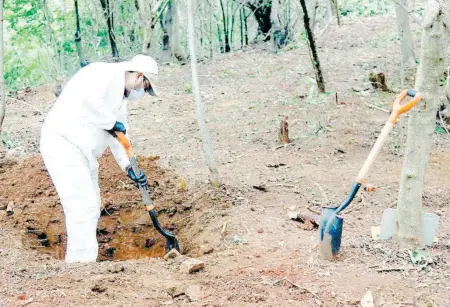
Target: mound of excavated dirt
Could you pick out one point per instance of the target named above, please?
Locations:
(125, 230)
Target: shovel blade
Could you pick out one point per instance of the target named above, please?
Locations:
(331, 238)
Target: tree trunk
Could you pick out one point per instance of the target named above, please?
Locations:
(110, 23)
(312, 47)
(210, 160)
(312, 13)
(2, 80)
(262, 15)
(177, 50)
(335, 10)
(406, 41)
(245, 27)
(241, 26)
(219, 37)
(77, 38)
(232, 24)
(225, 28)
(166, 26)
(276, 28)
(422, 121)
(211, 35)
(145, 13)
(52, 45)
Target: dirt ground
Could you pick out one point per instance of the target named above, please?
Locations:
(253, 253)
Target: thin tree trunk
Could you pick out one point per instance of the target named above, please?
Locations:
(312, 13)
(219, 37)
(110, 23)
(145, 13)
(210, 160)
(335, 10)
(225, 28)
(406, 41)
(166, 24)
(422, 120)
(177, 50)
(241, 27)
(312, 47)
(77, 38)
(245, 28)
(52, 43)
(2, 80)
(232, 24)
(276, 28)
(211, 35)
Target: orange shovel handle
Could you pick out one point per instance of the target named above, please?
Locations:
(125, 143)
(398, 109)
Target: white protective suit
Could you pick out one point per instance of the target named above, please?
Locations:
(74, 136)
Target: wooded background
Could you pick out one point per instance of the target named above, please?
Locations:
(45, 41)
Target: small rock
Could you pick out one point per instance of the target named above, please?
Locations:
(293, 215)
(205, 249)
(237, 240)
(369, 187)
(173, 253)
(174, 292)
(186, 206)
(10, 208)
(194, 293)
(367, 300)
(116, 268)
(260, 230)
(191, 265)
(178, 200)
(3, 206)
(98, 288)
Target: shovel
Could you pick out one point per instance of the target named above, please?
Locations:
(331, 222)
(171, 240)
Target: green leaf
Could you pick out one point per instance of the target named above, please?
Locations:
(420, 256)
(439, 130)
(6, 141)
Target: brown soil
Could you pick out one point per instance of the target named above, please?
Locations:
(125, 230)
(260, 256)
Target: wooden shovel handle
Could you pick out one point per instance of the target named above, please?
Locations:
(125, 143)
(397, 110)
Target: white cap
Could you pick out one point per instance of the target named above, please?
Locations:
(148, 66)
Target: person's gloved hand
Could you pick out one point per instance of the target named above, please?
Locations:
(139, 178)
(118, 126)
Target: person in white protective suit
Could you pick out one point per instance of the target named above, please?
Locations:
(76, 132)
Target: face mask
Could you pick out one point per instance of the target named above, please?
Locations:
(136, 94)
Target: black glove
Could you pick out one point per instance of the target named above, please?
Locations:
(139, 179)
(118, 126)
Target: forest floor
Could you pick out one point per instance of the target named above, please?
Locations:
(254, 254)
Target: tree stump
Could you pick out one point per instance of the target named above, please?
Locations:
(284, 132)
(378, 80)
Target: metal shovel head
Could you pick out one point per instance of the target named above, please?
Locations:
(330, 236)
(389, 225)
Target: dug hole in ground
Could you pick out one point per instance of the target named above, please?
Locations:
(253, 253)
